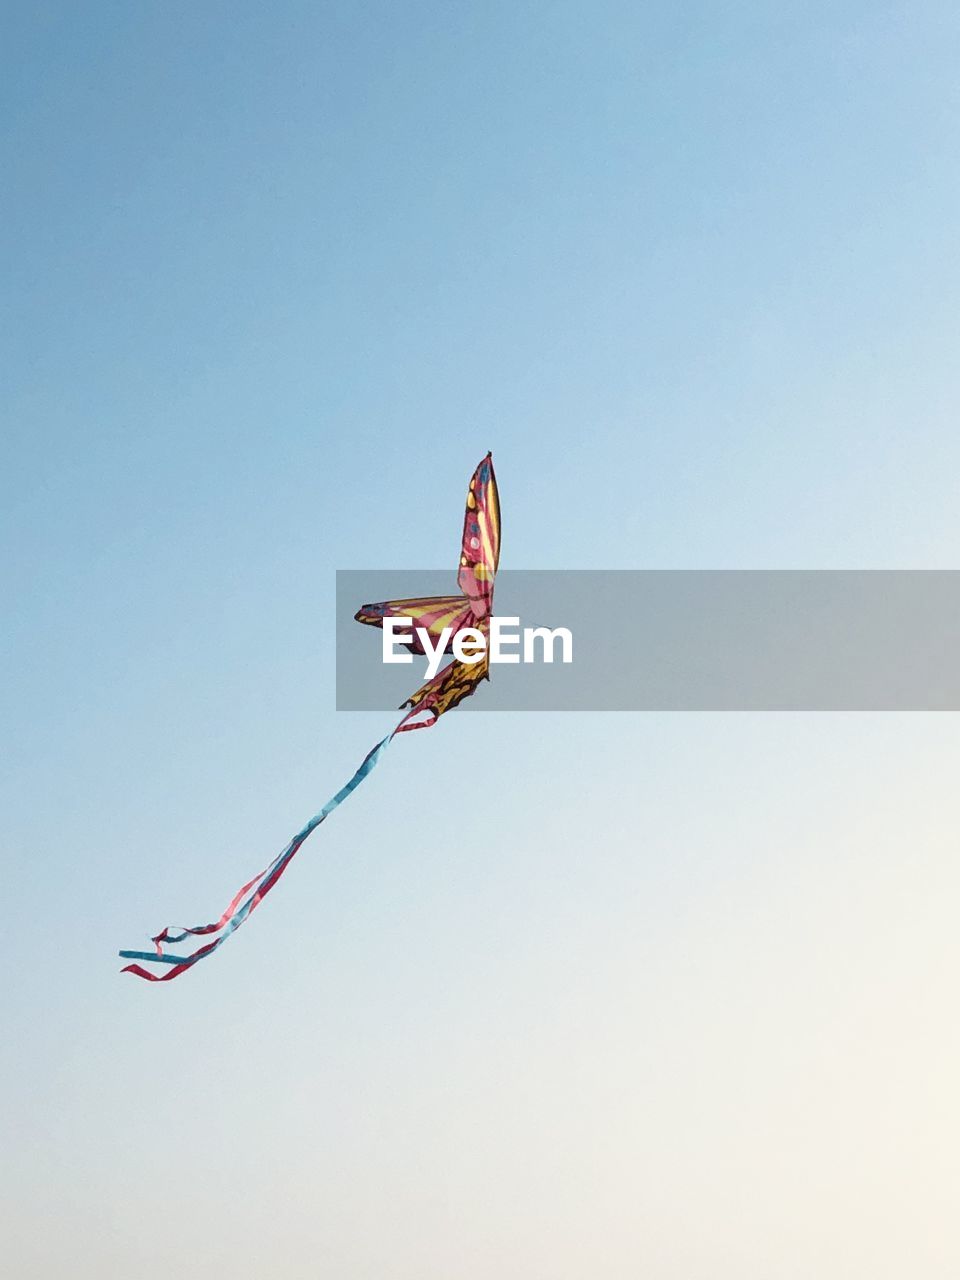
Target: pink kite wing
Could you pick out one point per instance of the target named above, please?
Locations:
(480, 545)
(447, 689)
(432, 613)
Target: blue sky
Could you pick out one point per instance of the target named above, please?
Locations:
(275, 278)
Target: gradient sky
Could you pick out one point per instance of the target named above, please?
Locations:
(554, 996)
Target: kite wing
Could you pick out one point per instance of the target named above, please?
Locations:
(446, 690)
(432, 613)
(480, 545)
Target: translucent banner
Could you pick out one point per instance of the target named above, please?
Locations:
(689, 640)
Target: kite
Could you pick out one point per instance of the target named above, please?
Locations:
(479, 558)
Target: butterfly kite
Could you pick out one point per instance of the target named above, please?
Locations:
(479, 557)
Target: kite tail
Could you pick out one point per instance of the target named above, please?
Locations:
(247, 899)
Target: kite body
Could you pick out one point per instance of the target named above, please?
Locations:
(479, 558)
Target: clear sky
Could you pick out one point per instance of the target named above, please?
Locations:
(553, 996)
